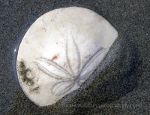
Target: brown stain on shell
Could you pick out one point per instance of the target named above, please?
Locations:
(55, 57)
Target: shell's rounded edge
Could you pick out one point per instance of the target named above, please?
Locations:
(46, 38)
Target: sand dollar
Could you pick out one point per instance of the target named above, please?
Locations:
(60, 51)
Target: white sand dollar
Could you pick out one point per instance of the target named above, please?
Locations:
(60, 51)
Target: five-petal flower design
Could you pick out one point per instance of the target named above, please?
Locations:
(72, 77)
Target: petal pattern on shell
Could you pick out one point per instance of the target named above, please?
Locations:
(62, 87)
(87, 67)
(61, 72)
(73, 55)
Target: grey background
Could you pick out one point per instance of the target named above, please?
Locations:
(123, 88)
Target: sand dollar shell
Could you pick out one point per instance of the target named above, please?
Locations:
(60, 51)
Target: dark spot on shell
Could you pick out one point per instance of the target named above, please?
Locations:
(23, 71)
(36, 89)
